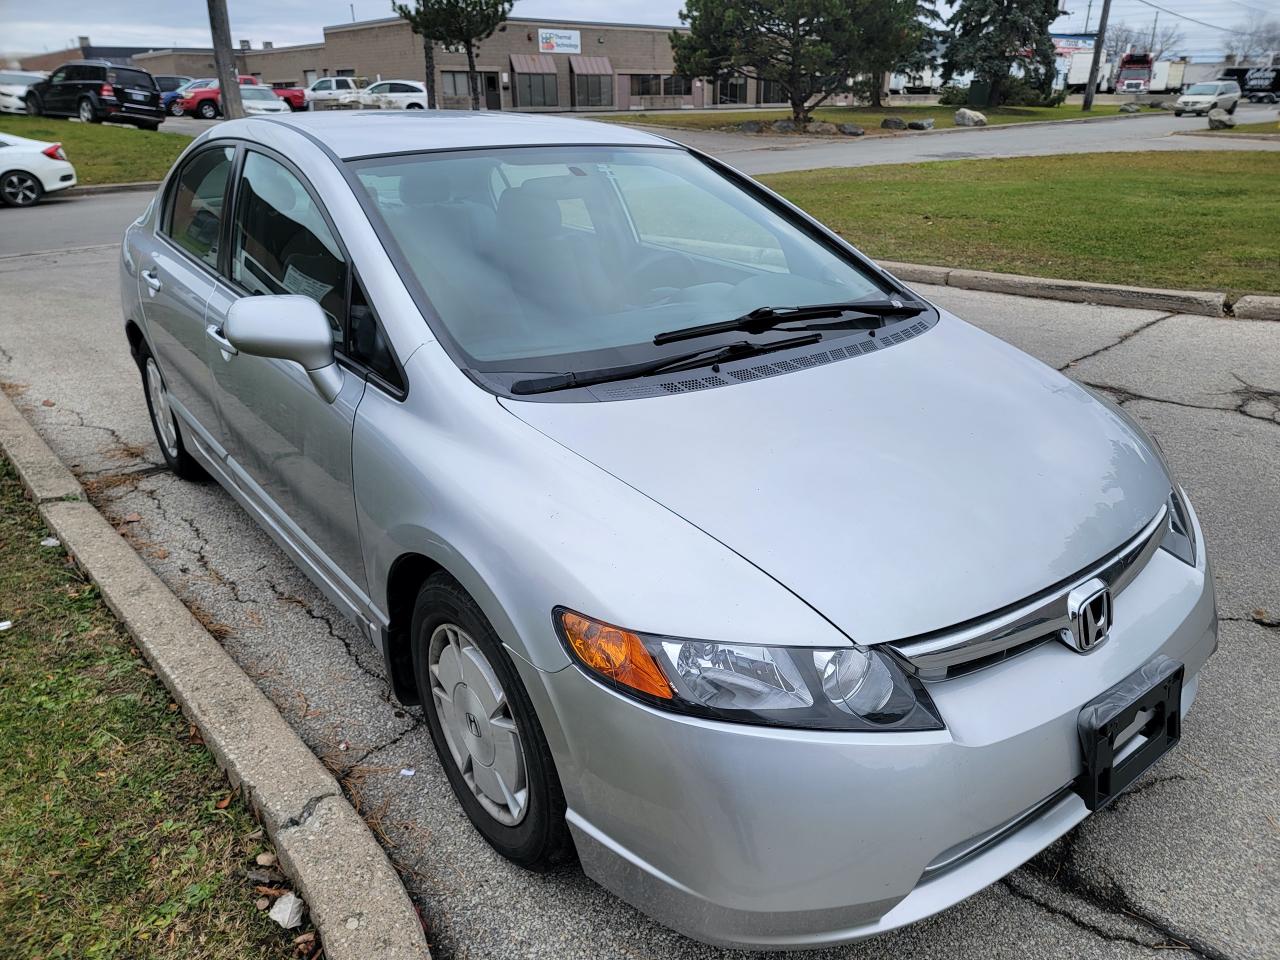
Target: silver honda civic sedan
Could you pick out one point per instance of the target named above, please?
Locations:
(793, 606)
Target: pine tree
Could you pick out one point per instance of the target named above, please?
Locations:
(991, 36)
(453, 23)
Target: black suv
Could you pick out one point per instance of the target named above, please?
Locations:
(97, 90)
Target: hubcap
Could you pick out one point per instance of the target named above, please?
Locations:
(161, 415)
(478, 725)
(20, 189)
(86, 111)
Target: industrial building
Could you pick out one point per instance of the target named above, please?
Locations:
(528, 65)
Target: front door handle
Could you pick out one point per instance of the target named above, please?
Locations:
(213, 332)
(152, 281)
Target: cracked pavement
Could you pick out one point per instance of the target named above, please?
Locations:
(1188, 860)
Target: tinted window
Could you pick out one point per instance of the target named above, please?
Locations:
(131, 78)
(59, 75)
(368, 344)
(323, 85)
(536, 90)
(379, 88)
(195, 220)
(282, 243)
(403, 88)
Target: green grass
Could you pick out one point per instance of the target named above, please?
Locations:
(1189, 220)
(111, 842)
(103, 152)
(1267, 126)
(865, 117)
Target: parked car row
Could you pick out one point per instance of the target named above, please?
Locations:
(97, 90)
(29, 169)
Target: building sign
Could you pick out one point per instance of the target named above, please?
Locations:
(559, 41)
(1064, 45)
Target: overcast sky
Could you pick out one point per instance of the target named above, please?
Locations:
(37, 25)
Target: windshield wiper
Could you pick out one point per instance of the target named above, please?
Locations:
(684, 361)
(866, 315)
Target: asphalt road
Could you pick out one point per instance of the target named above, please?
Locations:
(1190, 859)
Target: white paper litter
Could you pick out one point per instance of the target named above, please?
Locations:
(50, 542)
(287, 911)
(407, 771)
(5, 624)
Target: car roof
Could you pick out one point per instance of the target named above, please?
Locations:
(363, 133)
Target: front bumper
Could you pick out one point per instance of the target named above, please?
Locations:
(757, 837)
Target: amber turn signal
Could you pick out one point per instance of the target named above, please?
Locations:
(616, 654)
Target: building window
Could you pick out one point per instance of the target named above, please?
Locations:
(345, 73)
(645, 85)
(731, 90)
(592, 90)
(455, 83)
(677, 86)
(536, 90)
(771, 92)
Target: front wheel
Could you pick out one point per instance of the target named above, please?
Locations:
(485, 730)
(33, 105)
(175, 109)
(1232, 108)
(163, 420)
(20, 189)
(413, 106)
(86, 112)
(207, 111)
(1177, 113)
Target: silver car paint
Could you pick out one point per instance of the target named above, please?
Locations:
(740, 835)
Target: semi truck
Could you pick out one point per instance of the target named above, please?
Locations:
(1135, 73)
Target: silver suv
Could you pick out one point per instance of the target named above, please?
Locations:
(795, 606)
(1200, 98)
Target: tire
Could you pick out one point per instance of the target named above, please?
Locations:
(86, 111)
(152, 125)
(207, 110)
(34, 107)
(18, 188)
(500, 739)
(1177, 113)
(1232, 109)
(170, 441)
(175, 108)
(413, 106)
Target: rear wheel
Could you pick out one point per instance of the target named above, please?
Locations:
(86, 112)
(1232, 108)
(152, 125)
(19, 189)
(413, 106)
(163, 420)
(485, 730)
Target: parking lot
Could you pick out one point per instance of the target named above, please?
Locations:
(1189, 860)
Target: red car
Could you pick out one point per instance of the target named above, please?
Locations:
(204, 102)
(296, 97)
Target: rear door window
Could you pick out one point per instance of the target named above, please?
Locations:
(195, 217)
(282, 243)
(131, 78)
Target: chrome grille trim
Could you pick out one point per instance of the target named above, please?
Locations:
(987, 641)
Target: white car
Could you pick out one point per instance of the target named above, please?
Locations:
(31, 168)
(258, 100)
(1203, 97)
(13, 89)
(394, 95)
(331, 88)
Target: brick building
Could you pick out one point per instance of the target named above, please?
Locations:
(83, 50)
(528, 65)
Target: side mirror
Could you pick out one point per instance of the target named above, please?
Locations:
(286, 328)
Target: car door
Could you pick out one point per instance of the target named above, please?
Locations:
(288, 448)
(56, 94)
(321, 90)
(369, 96)
(177, 271)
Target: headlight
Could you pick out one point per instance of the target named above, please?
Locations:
(1180, 540)
(851, 688)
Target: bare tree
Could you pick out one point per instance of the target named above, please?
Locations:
(1120, 38)
(1255, 38)
(1167, 40)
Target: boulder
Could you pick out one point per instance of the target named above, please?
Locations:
(1221, 120)
(851, 130)
(1130, 107)
(785, 126)
(821, 126)
(893, 123)
(970, 118)
(925, 124)
(750, 126)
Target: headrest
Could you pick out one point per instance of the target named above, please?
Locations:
(520, 211)
(425, 186)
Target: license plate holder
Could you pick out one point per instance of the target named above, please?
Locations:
(1156, 687)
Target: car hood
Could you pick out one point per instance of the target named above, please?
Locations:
(897, 493)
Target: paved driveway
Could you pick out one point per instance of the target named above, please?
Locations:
(1189, 859)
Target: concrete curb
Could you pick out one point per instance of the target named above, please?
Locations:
(1204, 303)
(136, 186)
(1256, 308)
(355, 896)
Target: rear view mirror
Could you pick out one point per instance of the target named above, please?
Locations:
(286, 328)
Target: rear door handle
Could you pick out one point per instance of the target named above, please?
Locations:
(225, 345)
(152, 280)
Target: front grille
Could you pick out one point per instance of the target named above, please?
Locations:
(1029, 623)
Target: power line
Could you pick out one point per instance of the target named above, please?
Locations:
(1183, 16)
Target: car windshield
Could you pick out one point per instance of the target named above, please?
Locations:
(1202, 89)
(19, 79)
(257, 93)
(573, 258)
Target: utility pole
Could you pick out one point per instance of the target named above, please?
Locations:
(224, 59)
(1098, 41)
(1088, 14)
(1151, 47)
